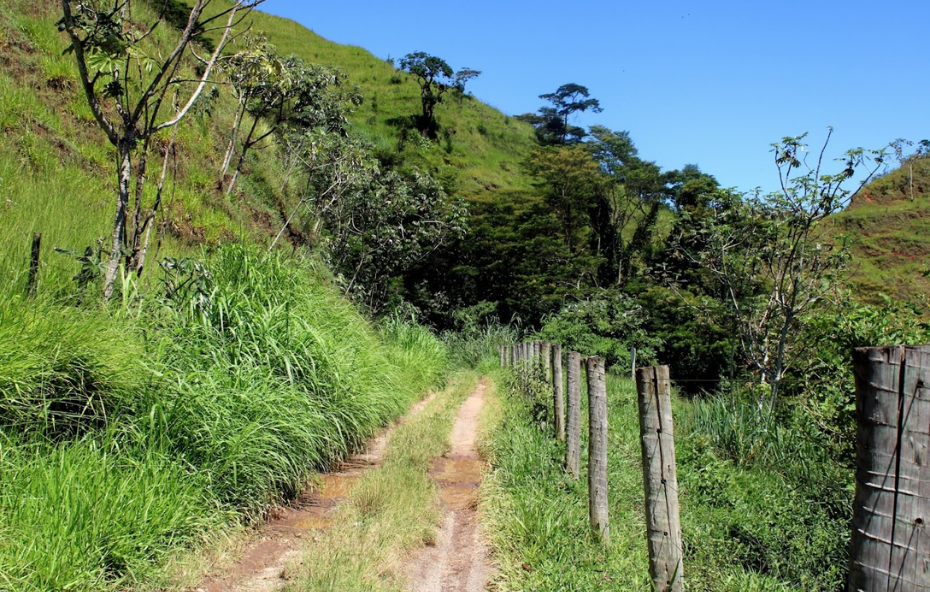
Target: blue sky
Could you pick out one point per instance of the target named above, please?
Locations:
(710, 82)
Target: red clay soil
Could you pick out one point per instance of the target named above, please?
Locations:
(262, 566)
(458, 562)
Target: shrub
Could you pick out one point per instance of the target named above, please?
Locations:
(609, 324)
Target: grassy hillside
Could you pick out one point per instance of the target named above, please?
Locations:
(57, 171)
(479, 148)
(891, 235)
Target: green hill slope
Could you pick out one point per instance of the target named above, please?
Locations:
(480, 148)
(890, 231)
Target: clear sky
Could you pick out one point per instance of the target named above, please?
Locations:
(711, 82)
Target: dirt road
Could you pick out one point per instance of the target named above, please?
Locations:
(459, 560)
(262, 565)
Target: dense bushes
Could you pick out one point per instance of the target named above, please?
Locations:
(610, 325)
(132, 431)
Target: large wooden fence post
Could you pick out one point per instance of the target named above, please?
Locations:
(573, 419)
(597, 448)
(660, 478)
(890, 547)
(558, 397)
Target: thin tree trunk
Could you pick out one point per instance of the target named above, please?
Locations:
(119, 224)
(136, 228)
(245, 149)
(150, 219)
(231, 145)
(597, 449)
(890, 547)
(660, 478)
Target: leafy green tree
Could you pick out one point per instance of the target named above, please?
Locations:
(435, 77)
(288, 94)
(552, 122)
(772, 258)
(569, 178)
(608, 323)
(626, 205)
(129, 89)
(249, 73)
(462, 77)
(374, 224)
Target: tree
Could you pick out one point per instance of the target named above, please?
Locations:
(248, 71)
(772, 257)
(372, 223)
(287, 94)
(552, 122)
(461, 78)
(128, 86)
(626, 204)
(569, 178)
(434, 76)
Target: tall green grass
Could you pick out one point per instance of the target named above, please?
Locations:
(127, 432)
(93, 514)
(475, 345)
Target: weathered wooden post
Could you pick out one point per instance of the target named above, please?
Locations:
(500, 354)
(597, 449)
(545, 359)
(890, 547)
(32, 283)
(633, 364)
(573, 435)
(558, 397)
(660, 478)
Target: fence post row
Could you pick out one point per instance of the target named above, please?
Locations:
(890, 547)
(660, 478)
(597, 449)
(558, 397)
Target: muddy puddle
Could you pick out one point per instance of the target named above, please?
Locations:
(458, 481)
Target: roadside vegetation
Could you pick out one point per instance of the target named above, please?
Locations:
(127, 435)
(762, 507)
